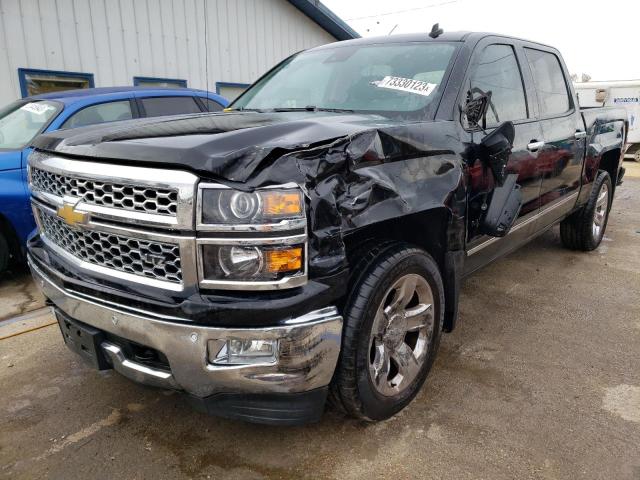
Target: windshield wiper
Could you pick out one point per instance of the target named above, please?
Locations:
(337, 110)
(311, 108)
(241, 109)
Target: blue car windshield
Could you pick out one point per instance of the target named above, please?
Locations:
(21, 121)
(393, 78)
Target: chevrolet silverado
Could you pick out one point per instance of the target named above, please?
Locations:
(309, 244)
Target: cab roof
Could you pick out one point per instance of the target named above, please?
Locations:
(461, 36)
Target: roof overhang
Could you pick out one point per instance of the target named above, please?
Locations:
(324, 17)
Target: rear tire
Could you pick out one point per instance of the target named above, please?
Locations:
(393, 321)
(584, 229)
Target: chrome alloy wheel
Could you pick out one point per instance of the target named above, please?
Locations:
(600, 214)
(400, 335)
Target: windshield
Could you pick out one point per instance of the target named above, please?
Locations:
(21, 121)
(383, 78)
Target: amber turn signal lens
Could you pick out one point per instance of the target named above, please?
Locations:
(282, 203)
(284, 260)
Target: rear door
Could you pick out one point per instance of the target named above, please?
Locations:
(496, 67)
(560, 159)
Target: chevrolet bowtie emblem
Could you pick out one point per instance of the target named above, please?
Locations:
(71, 216)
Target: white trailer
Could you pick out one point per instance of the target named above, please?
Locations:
(619, 93)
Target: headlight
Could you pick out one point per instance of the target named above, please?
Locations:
(222, 207)
(253, 263)
(261, 242)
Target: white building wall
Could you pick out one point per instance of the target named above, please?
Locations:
(119, 39)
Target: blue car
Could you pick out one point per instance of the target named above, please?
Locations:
(22, 120)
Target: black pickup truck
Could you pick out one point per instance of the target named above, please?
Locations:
(310, 243)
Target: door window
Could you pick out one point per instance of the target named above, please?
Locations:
(211, 105)
(158, 106)
(549, 80)
(101, 113)
(498, 72)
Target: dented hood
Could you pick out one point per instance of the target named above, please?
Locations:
(356, 170)
(229, 146)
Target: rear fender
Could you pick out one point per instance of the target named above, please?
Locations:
(604, 151)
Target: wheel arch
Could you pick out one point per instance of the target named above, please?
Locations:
(438, 232)
(610, 162)
(426, 230)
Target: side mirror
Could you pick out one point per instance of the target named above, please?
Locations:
(500, 139)
(506, 199)
(495, 148)
(503, 208)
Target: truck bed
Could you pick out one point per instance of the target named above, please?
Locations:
(595, 116)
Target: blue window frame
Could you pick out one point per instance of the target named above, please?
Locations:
(35, 81)
(159, 82)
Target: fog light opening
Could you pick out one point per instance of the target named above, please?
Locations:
(236, 351)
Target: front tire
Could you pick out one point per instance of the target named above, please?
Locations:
(393, 321)
(584, 229)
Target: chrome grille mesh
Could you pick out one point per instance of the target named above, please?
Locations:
(157, 201)
(146, 258)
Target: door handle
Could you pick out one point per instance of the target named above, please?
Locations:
(578, 135)
(534, 146)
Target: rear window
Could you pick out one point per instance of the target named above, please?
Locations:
(550, 83)
(158, 106)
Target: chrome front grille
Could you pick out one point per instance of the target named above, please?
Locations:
(145, 258)
(159, 201)
(121, 221)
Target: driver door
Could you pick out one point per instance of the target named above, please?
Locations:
(495, 68)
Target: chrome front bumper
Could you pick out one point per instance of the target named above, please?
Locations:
(308, 347)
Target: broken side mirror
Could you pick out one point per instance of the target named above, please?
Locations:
(505, 201)
(495, 149)
(503, 208)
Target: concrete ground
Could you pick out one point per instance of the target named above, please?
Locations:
(540, 380)
(18, 294)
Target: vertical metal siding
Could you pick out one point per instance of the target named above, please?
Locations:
(119, 39)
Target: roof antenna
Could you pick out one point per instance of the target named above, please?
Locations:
(206, 50)
(436, 31)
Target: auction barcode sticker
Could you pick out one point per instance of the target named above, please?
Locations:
(407, 85)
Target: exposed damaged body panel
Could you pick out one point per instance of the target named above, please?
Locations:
(355, 170)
